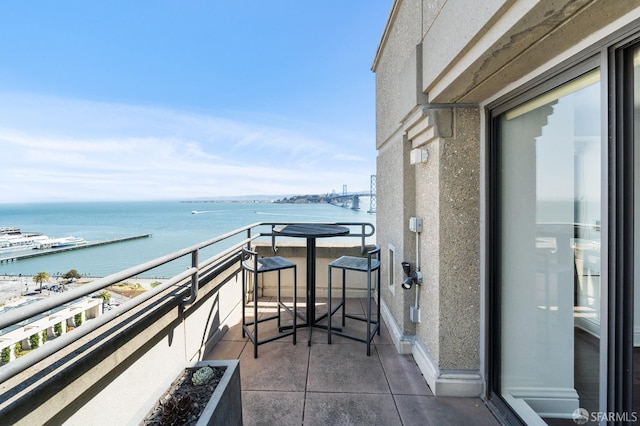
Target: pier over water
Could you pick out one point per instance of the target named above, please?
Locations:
(45, 252)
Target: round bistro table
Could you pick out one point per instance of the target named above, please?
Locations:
(311, 231)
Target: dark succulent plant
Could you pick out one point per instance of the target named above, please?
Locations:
(176, 410)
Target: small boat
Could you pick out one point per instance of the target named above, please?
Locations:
(10, 230)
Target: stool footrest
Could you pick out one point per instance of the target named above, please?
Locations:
(374, 330)
(251, 336)
(263, 319)
(286, 308)
(355, 317)
(338, 306)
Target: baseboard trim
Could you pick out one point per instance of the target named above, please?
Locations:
(441, 383)
(447, 383)
(402, 342)
(588, 325)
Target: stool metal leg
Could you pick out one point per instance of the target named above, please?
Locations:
(344, 297)
(378, 302)
(295, 303)
(330, 309)
(255, 313)
(244, 302)
(278, 301)
(369, 314)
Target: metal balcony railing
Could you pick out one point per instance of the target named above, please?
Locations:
(133, 352)
(189, 280)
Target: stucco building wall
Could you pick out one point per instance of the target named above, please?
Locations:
(439, 63)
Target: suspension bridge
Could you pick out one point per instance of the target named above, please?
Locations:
(352, 199)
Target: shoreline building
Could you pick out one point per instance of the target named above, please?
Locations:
(508, 176)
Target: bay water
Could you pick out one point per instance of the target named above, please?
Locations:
(173, 225)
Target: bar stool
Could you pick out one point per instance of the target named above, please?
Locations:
(252, 264)
(368, 264)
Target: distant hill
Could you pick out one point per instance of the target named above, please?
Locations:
(304, 199)
(237, 199)
(279, 199)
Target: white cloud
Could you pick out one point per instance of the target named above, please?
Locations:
(61, 149)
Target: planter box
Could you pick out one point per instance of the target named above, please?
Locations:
(225, 404)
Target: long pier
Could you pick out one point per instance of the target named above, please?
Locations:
(44, 252)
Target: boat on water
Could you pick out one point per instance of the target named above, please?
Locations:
(53, 243)
(9, 230)
(13, 239)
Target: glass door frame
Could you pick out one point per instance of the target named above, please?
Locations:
(619, 398)
(493, 278)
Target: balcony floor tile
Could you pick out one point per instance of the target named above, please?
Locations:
(350, 409)
(272, 408)
(346, 368)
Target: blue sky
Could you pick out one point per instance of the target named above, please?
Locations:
(125, 100)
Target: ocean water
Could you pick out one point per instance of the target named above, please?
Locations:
(171, 223)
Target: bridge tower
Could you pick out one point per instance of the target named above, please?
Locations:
(372, 195)
(344, 193)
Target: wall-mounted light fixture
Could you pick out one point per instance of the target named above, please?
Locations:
(418, 155)
(412, 278)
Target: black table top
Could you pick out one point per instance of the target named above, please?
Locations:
(311, 230)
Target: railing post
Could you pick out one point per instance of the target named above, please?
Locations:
(194, 280)
(273, 238)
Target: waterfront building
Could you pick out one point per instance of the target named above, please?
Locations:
(510, 128)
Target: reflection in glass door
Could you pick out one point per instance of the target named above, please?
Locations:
(550, 211)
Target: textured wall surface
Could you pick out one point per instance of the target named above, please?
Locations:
(447, 199)
(399, 44)
(459, 277)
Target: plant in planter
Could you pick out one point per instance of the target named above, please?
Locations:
(206, 393)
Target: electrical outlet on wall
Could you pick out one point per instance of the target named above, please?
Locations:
(414, 314)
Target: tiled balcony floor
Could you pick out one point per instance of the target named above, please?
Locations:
(338, 384)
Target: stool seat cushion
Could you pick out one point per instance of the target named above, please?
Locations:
(354, 263)
(266, 264)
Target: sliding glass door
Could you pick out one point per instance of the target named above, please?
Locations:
(564, 245)
(550, 185)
